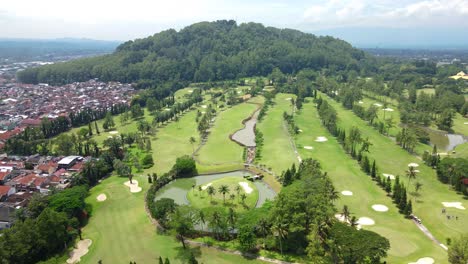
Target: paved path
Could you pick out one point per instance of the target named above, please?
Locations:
(291, 141)
(429, 234)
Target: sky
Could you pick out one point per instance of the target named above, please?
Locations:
(372, 23)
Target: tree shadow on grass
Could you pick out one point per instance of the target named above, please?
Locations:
(183, 254)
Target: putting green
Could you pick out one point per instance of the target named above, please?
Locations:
(406, 240)
(201, 199)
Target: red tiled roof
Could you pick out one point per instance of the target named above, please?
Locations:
(31, 122)
(54, 178)
(39, 181)
(77, 167)
(465, 181)
(3, 175)
(9, 134)
(60, 172)
(26, 180)
(4, 189)
(47, 166)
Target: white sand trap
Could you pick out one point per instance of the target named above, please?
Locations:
(321, 139)
(391, 176)
(417, 171)
(206, 186)
(80, 250)
(341, 218)
(425, 260)
(204, 106)
(360, 102)
(246, 187)
(101, 198)
(288, 99)
(300, 130)
(365, 221)
(380, 208)
(114, 132)
(239, 92)
(133, 186)
(466, 123)
(190, 91)
(347, 193)
(308, 147)
(413, 165)
(457, 205)
(167, 109)
(389, 109)
(377, 104)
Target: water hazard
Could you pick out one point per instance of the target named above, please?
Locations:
(444, 141)
(246, 135)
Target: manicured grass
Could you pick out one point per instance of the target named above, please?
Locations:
(394, 160)
(201, 199)
(122, 232)
(461, 151)
(407, 242)
(459, 126)
(219, 149)
(276, 139)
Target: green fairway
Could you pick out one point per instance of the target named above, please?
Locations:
(408, 243)
(276, 139)
(394, 160)
(461, 151)
(460, 124)
(122, 232)
(219, 150)
(201, 199)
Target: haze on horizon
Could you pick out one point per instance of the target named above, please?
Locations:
(406, 23)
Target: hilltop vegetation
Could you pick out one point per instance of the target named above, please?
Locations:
(206, 51)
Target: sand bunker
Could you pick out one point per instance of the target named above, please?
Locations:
(365, 221)
(457, 205)
(380, 208)
(246, 187)
(80, 250)
(413, 165)
(206, 186)
(101, 198)
(300, 130)
(114, 132)
(204, 106)
(133, 186)
(377, 104)
(308, 147)
(391, 176)
(321, 139)
(288, 99)
(425, 260)
(341, 218)
(466, 123)
(347, 193)
(167, 109)
(389, 109)
(190, 91)
(360, 102)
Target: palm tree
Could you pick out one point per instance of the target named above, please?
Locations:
(345, 213)
(232, 218)
(334, 194)
(411, 174)
(201, 216)
(237, 189)
(280, 230)
(223, 189)
(199, 190)
(243, 197)
(192, 141)
(354, 221)
(215, 222)
(263, 228)
(211, 191)
(232, 197)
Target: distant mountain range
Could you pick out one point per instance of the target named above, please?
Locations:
(52, 49)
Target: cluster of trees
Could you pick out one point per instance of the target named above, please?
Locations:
(289, 119)
(266, 105)
(45, 227)
(173, 113)
(204, 120)
(259, 142)
(431, 159)
(454, 171)
(88, 115)
(400, 198)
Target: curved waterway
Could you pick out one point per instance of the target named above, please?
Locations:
(177, 189)
(246, 135)
(444, 141)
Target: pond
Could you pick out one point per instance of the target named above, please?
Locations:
(246, 135)
(177, 189)
(444, 141)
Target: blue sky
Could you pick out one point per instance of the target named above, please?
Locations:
(362, 22)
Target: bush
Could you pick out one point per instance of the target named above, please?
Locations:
(184, 167)
(147, 161)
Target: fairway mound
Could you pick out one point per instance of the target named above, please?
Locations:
(457, 205)
(114, 132)
(347, 193)
(377, 104)
(391, 176)
(363, 221)
(321, 139)
(80, 250)
(380, 208)
(389, 109)
(246, 187)
(425, 260)
(414, 165)
(101, 198)
(133, 186)
(206, 186)
(308, 147)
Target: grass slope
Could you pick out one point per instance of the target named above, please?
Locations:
(394, 160)
(122, 232)
(276, 138)
(407, 242)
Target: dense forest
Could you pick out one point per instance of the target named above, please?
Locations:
(207, 51)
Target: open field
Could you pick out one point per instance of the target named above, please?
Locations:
(122, 232)
(407, 242)
(219, 150)
(276, 139)
(394, 160)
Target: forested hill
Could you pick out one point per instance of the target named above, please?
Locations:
(206, 51)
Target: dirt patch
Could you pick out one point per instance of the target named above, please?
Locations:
(80, 250)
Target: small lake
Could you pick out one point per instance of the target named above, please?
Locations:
(246, 136)
(177, 189)
(445, 141)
